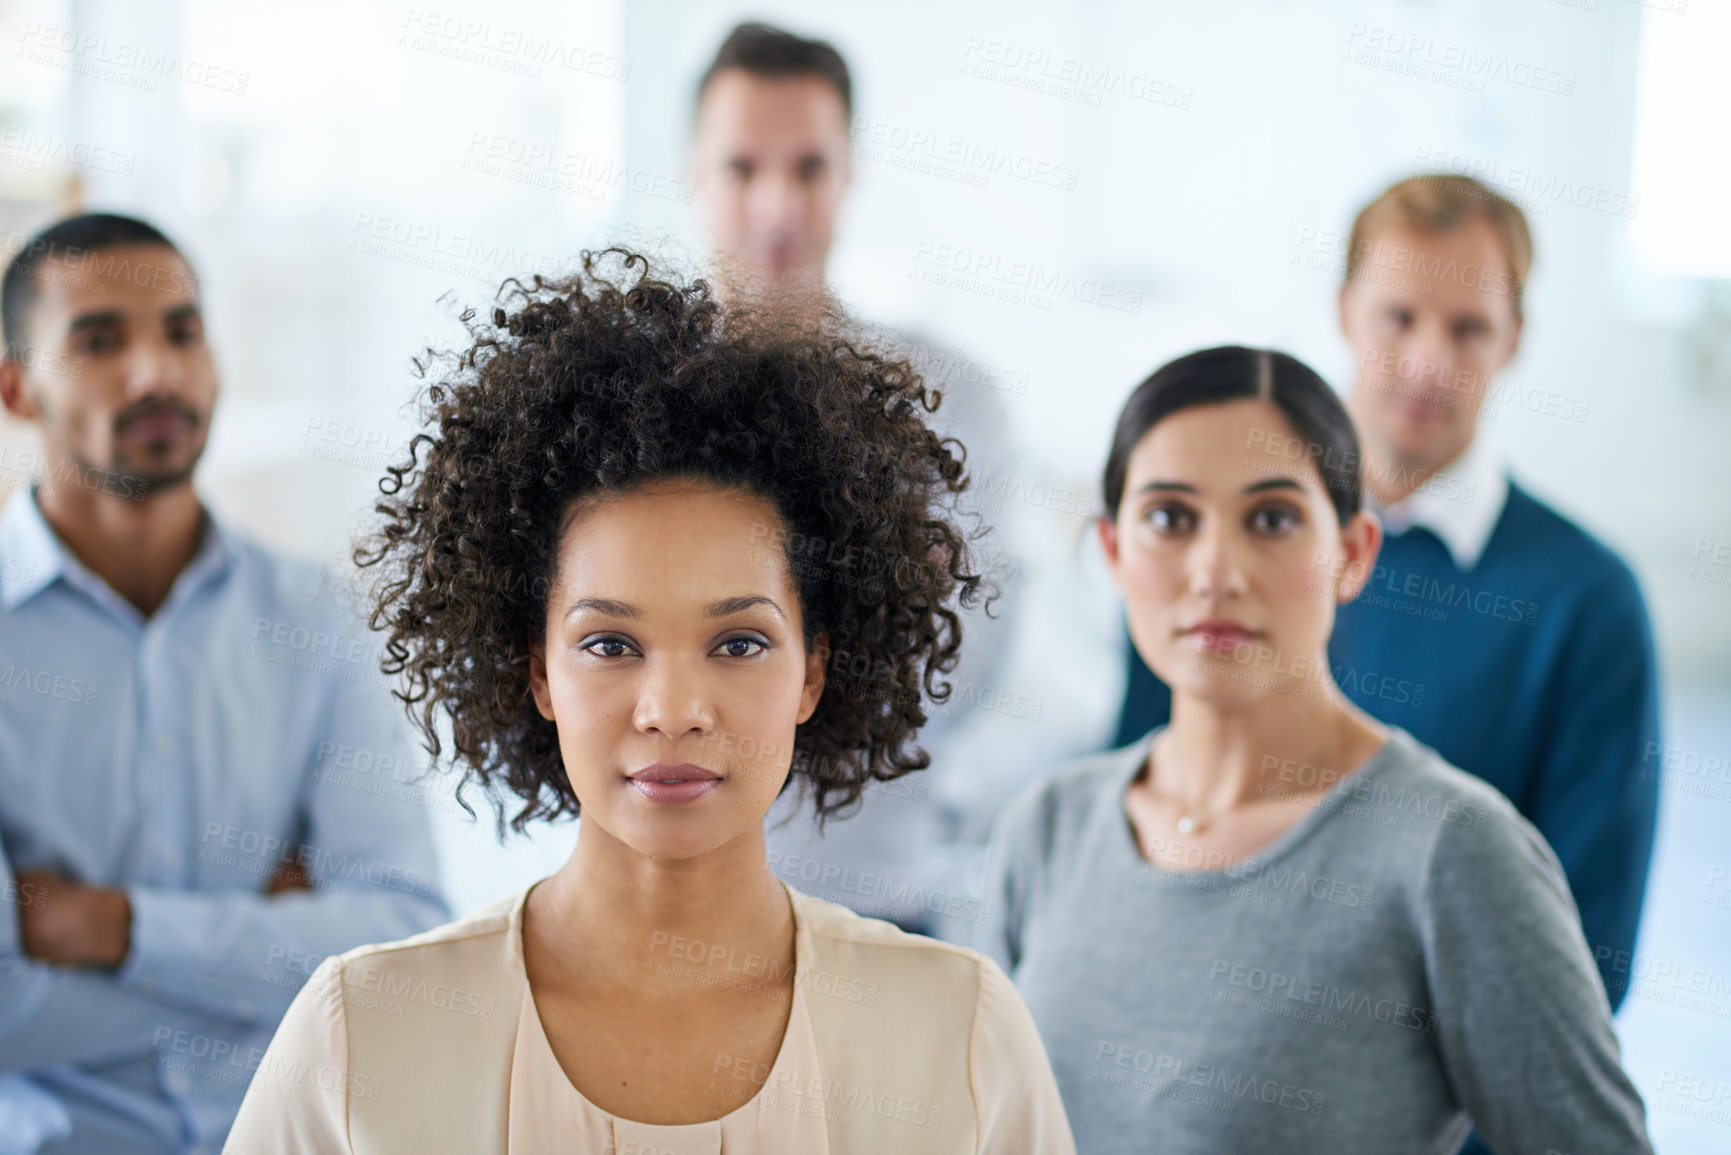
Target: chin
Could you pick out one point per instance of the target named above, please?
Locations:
(1219, 682)
(1404, 439)
(676, 836)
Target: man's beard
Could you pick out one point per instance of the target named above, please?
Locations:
(139, 479)
(139, 483)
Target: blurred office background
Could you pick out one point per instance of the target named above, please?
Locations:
(1069, 194)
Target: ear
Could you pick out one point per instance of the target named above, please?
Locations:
(13, 395)
(1108, 531)
(1360, 542)
(816, 665)
(1340, 309)
(538, 680)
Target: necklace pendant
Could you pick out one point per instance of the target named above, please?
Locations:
(1188, 825)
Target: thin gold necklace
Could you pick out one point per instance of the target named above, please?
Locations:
(1189, 822)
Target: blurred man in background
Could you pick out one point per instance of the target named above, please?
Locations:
(1493, 628)
(770, 154)
(771, 163)
(204, 784)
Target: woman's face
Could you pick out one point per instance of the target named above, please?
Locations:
(1230, 556)
(674, 666)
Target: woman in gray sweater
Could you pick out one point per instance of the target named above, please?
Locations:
(1275, 924)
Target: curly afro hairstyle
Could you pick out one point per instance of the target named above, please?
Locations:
(602, 382)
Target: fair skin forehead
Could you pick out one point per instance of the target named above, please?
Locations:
(769, 120)
(1221, 453)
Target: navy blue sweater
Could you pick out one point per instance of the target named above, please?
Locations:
(1535, 671)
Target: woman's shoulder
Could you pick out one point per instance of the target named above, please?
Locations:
(924, 1045)
(465, 970)
(487, 925)
(834, 926)
(851, 952)
(1466, 826)
(1418, 781)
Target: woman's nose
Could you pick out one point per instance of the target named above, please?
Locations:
(671, 701)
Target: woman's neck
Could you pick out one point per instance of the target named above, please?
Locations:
(1213, 758)
(621, 919)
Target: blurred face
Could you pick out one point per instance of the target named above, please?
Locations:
(770, 161)
(1431, 319)
(674, 667)
(115, 367)
(1230, 557)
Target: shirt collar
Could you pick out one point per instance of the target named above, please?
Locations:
(32, 556)
(1460, 503)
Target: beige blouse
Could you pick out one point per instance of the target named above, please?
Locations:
(895, 1043)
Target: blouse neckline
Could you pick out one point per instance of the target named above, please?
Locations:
(795, 1061)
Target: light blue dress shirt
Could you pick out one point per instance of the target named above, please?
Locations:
(184, 757)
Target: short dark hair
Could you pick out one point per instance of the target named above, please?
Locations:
(86, 233)
(768, 51)
(616, 377)
(1233, 373)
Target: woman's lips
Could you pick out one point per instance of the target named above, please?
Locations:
(1218, 637)
(674, 784)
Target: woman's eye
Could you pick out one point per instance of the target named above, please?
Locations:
(1169, 518)
(742, 647)
(608, 648)
(1273, 520)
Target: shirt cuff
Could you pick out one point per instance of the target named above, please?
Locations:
(166, 929)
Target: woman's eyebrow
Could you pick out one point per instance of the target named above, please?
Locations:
(607, 606)
(1273, 483)
(1167, 487)
(728, 606)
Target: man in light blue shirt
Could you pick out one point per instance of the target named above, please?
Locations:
(205, 786)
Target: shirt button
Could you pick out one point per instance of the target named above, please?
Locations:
(165, 744)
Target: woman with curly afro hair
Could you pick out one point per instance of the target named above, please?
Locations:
(654, 562)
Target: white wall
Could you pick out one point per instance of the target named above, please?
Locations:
(1213, 212)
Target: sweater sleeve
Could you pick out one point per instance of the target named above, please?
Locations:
(1020, 842)
(1523, 1025)
(298, 1101)
(1017, 1108)
(1595, 794)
